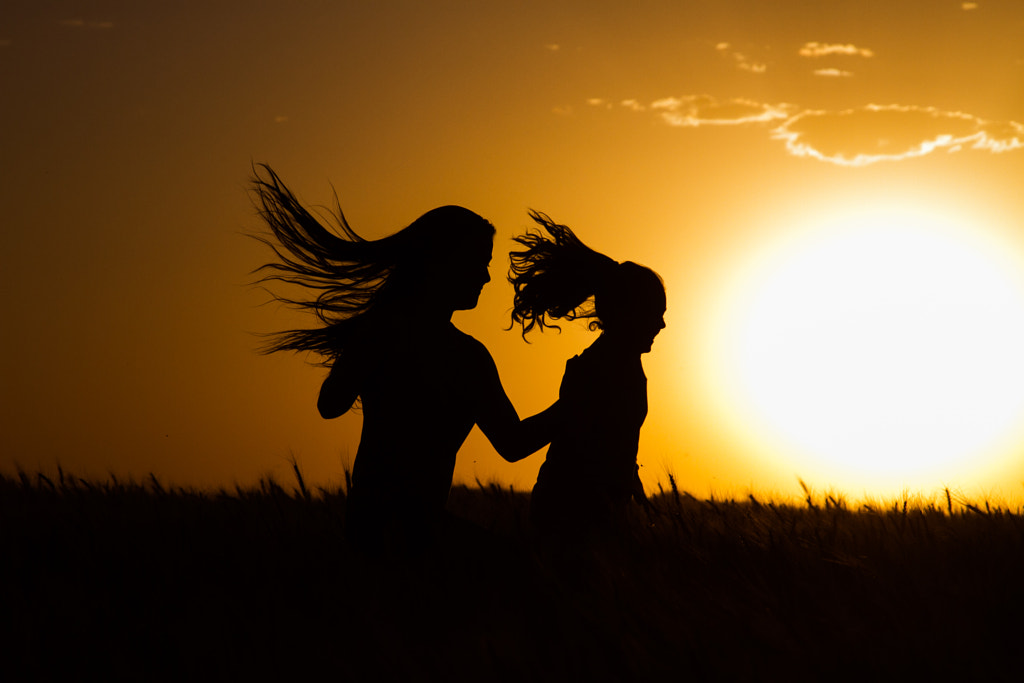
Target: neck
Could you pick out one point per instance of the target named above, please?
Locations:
(616, 345)
(423, 310)
(426, 319)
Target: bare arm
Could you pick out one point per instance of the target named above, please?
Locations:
(514, 439)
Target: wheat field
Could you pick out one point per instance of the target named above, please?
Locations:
(135, 580)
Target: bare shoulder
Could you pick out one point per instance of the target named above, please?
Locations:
(470, 348)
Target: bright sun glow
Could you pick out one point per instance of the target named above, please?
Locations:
(880, 351)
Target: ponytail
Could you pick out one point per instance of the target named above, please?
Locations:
(556, 276)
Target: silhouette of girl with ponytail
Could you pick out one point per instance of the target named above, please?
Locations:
(384, 309)
(590, 473)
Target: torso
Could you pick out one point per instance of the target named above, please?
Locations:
(417, 411)
(605, 398)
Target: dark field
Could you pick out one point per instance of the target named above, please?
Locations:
(131, 581)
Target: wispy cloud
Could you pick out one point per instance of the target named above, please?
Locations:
(744, 64)
(852, 137)
(703, 110)
(833, 73)
(873, 133)
(553, 47)
(740, 60)
(82, 23)
(967, 6)
(826, 49)
(694, 111)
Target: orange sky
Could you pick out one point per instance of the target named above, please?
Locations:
(684, 136)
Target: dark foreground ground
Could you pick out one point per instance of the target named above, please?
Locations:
(135, 582)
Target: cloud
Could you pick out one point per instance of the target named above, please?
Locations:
(852, 137)
(873, 133)
(703, 110)
(631, 104)
(82, 23)
(968, 6)
(742, 61)
(833, 73)
(826, 49)
(553, 47)
(744, 64)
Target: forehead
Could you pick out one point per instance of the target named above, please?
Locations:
(472, 248)
(656, 300)
(646, 281)
(651, 294)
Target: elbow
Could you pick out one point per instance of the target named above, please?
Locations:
(524, 444)
(327, 412)
(514, 452)
(331, 409)
(513, 455)
(507, 450)
(522, 439)
(335, 398)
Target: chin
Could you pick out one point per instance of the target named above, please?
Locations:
(469, 304)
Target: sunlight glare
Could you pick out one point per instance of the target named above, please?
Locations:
(882, 349)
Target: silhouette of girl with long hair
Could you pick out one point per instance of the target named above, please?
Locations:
(384, 310)
(590, 473)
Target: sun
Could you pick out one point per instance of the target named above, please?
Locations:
(882, 350)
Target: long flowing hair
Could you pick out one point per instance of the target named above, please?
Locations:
(556, 276)
(352, 281)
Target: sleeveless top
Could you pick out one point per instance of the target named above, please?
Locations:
(593, 460)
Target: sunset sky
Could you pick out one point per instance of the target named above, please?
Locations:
(832, 193)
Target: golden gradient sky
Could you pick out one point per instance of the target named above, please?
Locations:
(688, 136)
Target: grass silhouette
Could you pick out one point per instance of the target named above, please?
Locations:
(141, 581)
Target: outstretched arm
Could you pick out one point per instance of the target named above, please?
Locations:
(514, 439)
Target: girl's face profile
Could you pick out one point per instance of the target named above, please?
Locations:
(646, 318)
(639, 312)
(467, 273)
(651, 321)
